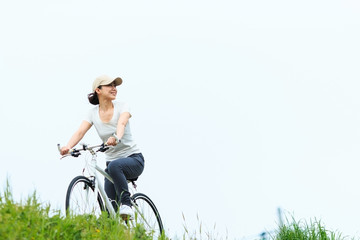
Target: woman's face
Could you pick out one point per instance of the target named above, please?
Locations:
(108, 91)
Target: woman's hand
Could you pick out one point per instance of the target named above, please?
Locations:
(64, 150)
(111, 141)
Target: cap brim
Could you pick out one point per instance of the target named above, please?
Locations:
(118, 81)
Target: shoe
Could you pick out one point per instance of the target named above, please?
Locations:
(126, 212)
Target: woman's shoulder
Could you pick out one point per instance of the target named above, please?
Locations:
(93, 108)
(122, 106)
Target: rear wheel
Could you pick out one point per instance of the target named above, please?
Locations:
(81, 198)
(147, 214)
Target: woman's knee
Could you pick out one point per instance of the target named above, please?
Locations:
(114, 166)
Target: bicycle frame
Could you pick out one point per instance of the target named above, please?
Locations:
(139, 201)
(93, 170)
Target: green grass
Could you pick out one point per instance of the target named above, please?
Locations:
(302, 230)
(29, 219)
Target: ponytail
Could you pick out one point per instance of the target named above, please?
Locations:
(93, 98)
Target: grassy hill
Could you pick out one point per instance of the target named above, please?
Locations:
(30, 219)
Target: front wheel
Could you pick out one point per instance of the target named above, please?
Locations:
(147, 214)
(81, 198)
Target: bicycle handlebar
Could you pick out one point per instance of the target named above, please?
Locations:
(76, 152)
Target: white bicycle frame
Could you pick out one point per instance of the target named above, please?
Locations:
(94, 168)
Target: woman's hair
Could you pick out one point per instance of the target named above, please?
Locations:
(93, 97)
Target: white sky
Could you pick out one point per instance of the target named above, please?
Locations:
(240, 107)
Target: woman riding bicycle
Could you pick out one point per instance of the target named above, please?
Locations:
(111, 120)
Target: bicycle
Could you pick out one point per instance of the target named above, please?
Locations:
(85, 195)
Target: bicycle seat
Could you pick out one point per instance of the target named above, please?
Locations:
(132, 179)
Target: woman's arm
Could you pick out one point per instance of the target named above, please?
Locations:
(76, 137)
(120, 129)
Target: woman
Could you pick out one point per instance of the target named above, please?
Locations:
(111, 120)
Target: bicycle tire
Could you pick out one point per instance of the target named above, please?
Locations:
(80, 198)
(147, 214)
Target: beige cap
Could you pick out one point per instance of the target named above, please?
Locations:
(105, 80)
